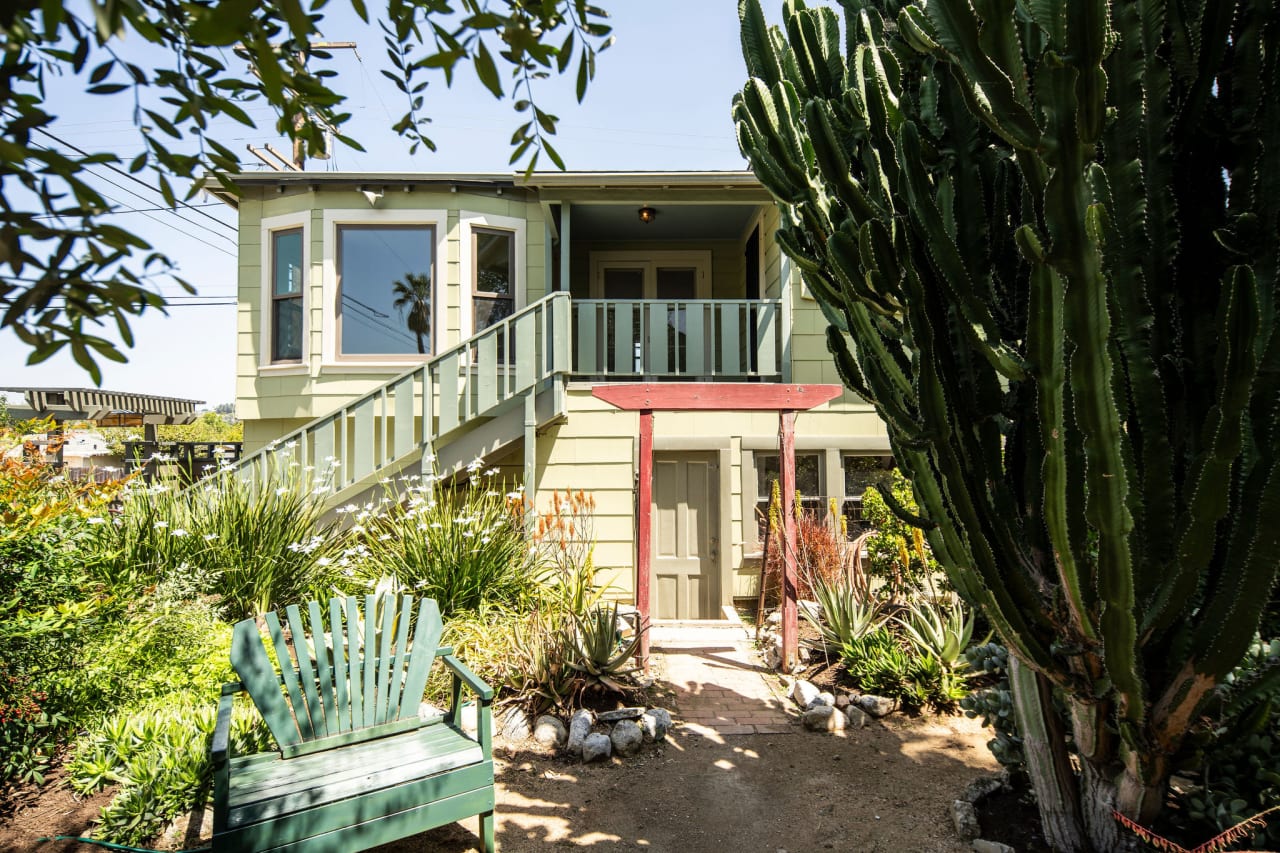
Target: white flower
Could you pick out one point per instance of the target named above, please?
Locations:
(475, 465)
(513, 496)
(178, 532)
(491, 494)
(97, 520)
(323, 561)
(283, 490)
(384, 537)
(160, 524)
(491, 472)
(209, 537)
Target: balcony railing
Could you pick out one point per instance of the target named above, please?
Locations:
(707, 339)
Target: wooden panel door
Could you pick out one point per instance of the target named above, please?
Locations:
(686, 526)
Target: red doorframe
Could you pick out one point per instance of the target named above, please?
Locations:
(646, 398)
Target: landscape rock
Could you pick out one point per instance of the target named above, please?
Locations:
(515, 725)
(823, 698)
(773, 656)
(469, 718)
(965, 817)
(627, 737)
(842, 701)
(824, 718)
(620, 714)
(655, 724)
(774, 618)
(550, 731)
(982, 845)
(579, 728)
(857, 717)
(596, 747)
(803, 693)
(876, 706)
(982, 787)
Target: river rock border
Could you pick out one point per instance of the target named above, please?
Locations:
(591, 737)
(821, 711)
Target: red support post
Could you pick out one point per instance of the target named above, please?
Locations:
(644, 531)
(787, 466)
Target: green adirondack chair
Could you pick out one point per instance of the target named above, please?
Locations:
(357, 765)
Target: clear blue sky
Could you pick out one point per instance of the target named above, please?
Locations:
(660, 100)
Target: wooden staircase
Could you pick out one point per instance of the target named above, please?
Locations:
(469, 402)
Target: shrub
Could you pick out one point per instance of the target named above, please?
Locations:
(897, 554)
(463, 547)
(157, 647)
(48, 610)
(256, 546)
(159, 754)
(822, 554)
(884, 664)
(993, 702)
(847, 613)
(1237, 754)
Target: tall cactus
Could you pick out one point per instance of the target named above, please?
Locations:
(1045, 233)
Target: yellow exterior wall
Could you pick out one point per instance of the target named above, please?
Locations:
(306, 391)
(596, 450)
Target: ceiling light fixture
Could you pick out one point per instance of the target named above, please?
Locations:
(647, 214)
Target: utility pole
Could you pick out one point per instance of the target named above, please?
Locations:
(299, 150)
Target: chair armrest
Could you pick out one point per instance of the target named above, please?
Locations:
(479, 687)
(222, 729)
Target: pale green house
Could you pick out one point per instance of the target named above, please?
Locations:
(387, 317)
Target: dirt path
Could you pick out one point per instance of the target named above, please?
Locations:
(884, 788)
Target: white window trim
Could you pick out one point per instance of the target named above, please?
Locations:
(333, 217)
(268, 227)
(468, 220)
(699, 259)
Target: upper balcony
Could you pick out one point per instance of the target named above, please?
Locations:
(705, 340)
(673, 281)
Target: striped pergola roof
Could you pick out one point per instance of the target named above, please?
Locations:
(107, 408)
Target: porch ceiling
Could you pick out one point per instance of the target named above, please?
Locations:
(674, 221)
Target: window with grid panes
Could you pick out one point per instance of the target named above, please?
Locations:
(808, 484)
(860, 472)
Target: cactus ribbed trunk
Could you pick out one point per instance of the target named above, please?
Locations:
(1045, 234)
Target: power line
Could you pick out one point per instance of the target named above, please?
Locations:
(125, 174)
(182, 231)
(170, 210)
(130, 210)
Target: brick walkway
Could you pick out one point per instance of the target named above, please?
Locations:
(721, 687)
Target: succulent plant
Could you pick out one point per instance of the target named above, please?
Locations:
(1045, 237)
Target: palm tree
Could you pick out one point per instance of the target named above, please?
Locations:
(414, 293)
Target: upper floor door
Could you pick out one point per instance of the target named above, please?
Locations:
(678, 275)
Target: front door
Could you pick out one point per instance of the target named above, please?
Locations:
(686, 527)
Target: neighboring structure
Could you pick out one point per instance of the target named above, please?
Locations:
(486, 315)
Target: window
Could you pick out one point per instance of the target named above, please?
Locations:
(386, 276)
(493, 293)
(860, 472)
(286, 295)
(808, 484)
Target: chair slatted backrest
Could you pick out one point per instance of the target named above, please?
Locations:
(358, 675)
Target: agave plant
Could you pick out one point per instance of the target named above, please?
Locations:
(847, 613)
(940, 629)
(598, 652)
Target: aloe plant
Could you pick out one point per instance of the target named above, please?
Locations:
(846, 612)
(941, 629)
(1044, 234)
(598, 652)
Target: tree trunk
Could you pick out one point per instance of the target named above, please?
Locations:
(1048, 764)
